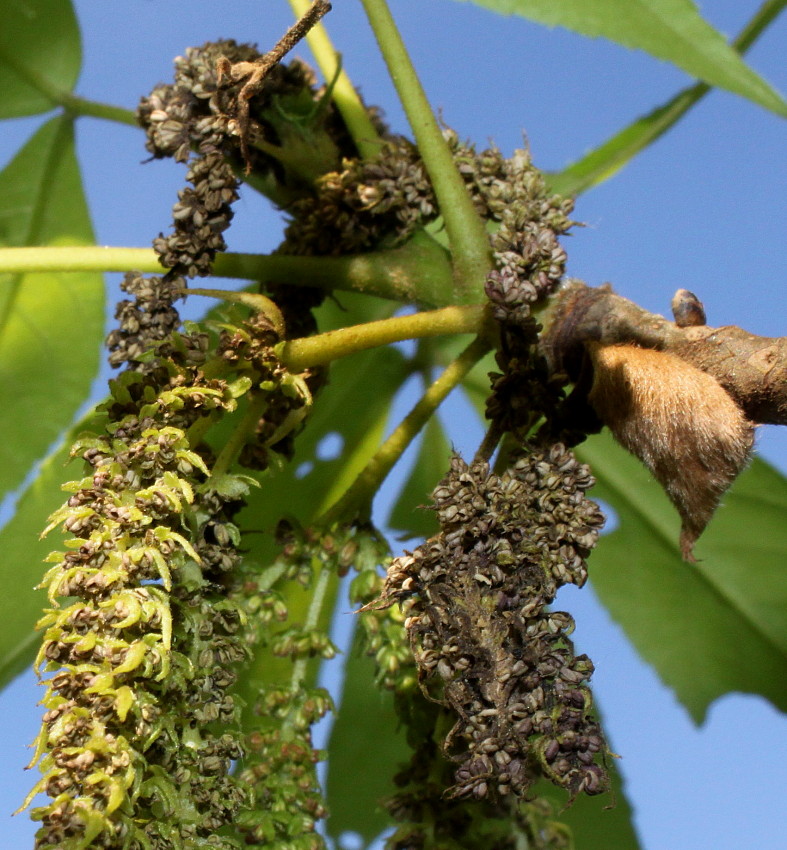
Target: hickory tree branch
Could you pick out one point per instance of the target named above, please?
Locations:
(182, 701)
(752, 369)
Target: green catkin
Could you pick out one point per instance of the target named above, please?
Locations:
(140, 728)
(280, 767)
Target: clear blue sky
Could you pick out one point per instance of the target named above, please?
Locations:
(703, 209)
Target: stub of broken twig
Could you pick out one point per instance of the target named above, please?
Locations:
(253, 74)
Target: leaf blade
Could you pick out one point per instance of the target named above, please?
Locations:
(606, 160)
(671, 30)
(40, 55)
(361, 775)
(408, 513)
(51, 324)
(706, 629)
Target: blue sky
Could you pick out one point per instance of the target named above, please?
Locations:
(703, 209)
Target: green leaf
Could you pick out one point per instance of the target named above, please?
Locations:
(51, 324)
(711, 628)
(368, 746)
(672, 30)
(40, 54)
(606, 160)
(22, 567)
(409, 512)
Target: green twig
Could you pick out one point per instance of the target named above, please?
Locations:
(82, 106)
(418, 271)
(357, 499)
(70, 102)
(344, 95)
(299, 354)
(465, 228)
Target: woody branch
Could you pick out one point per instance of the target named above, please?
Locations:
(752, 369)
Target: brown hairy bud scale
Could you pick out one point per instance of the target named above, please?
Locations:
(679, 421)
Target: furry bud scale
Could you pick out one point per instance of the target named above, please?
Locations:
(679, 421)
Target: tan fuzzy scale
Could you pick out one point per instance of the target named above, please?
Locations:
(678, 421)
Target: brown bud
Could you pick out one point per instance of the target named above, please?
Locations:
(687, 309)
(678, 421)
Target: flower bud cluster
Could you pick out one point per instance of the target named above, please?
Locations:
(427, 819)
(201, 216)
(485, 643)
(142, 725)
(285, 130)
(379, 203)
(143, 658)
(369, 203)
(193, 110)
(189, 116)
(523, 390)
(529, 260)
(249, 347)
(338, 203)
(384, 636)
(280, 770)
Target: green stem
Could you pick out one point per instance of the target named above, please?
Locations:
(233, 447)
(299, 354)
(70, 102)
(310, 623)
(357, 499)
(418, 271)
(344, 95)
(465, 228)
(82, 106)
(762, 18)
